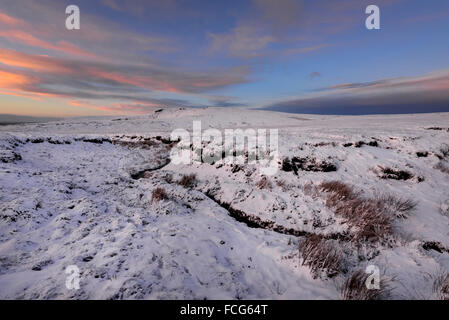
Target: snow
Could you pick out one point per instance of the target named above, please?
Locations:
(70, 199)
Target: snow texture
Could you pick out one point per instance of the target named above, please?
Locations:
(80, 192)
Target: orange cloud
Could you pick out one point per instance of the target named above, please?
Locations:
(23, 94)
(23, 60)
(10, 80)
(21, 85)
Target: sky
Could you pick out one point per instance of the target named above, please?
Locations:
(302, 56)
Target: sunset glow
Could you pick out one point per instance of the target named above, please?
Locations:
(294, 56)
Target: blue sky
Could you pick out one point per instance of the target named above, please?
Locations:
(130, 57)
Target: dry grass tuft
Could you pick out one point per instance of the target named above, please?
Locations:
(355, 288)
(320, 255)
(264, 183)
(372, 218)
(188, 180)
(400, 207)
(338, 191)
(368, 217)
(159, 194)
(282, 184)
(441, 286)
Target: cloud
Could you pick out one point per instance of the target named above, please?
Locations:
(6, 20)
(19, 31)
(294, 51)
(428, 93)
(139, 7)
(258, 29)
(112, 4)
(131, 63)
(226, 102)
(28, 39)
(282, 13)
(10, 80)
(33, 62)
(34, 23)
(105, 80)
(242, 41)
(102, 62)
(314, 75)
(282, 28)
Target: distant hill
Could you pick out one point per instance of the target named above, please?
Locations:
(6, 119)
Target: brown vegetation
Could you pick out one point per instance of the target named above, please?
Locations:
(441, 286)
(320, 254)
(188, 180)
(282, 184)
(370, 218)
(264, 183)
(159, 194)
(355, 288)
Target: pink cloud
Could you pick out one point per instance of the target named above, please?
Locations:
(28, 39)
(38, 63)
(9, 21)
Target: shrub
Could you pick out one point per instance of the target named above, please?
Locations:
(159, 194)
(320, 254)
(355, 288)
(188, 180)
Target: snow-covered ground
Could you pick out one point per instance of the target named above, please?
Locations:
(80, 192)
